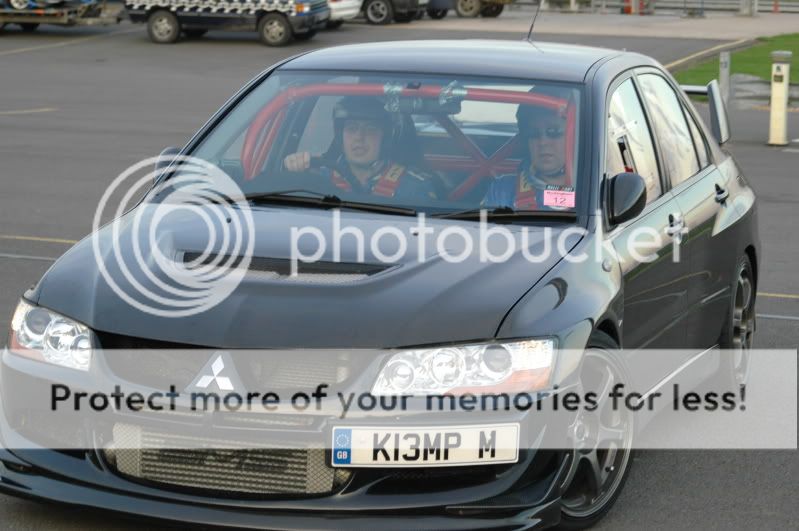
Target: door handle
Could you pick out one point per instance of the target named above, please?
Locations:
(676, 225)
(721, 194)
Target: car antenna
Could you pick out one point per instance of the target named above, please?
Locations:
(535, 16)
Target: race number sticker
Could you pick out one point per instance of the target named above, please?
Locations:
(560, 198)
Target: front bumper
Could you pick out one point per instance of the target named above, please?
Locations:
(36, 483)
(524, 495)
(315, 20)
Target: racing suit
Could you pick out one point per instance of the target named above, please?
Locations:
(526, 191)
(389, 179)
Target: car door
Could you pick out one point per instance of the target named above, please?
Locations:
(698, 187)
(655, 290)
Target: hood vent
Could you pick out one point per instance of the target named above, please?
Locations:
(280, 268)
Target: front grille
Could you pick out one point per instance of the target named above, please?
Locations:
(160, 364)
(238, 469)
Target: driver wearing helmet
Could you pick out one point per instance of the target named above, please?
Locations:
(541, 182)
(359, 158)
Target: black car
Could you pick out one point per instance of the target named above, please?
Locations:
(550, 142)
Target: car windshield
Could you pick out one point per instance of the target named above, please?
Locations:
(439, 145)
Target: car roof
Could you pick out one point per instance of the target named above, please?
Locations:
(499, 58)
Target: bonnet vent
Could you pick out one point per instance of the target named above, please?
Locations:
(280, 268)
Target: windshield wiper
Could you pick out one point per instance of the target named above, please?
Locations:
(507, 214)
(318, 199)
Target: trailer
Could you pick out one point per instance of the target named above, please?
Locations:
(69, 14)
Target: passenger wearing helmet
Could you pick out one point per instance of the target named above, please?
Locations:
(359, 159)
(541, 182)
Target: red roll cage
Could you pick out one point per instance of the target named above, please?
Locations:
(263, 130)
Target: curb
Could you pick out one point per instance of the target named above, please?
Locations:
(698, 57)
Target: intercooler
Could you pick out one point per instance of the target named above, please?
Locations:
(219, 467)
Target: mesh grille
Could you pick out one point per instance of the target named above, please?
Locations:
(159, 365)
(164, 458)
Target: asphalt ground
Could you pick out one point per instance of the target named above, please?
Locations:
(78, 106)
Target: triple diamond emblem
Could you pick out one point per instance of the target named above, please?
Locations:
(218, 370)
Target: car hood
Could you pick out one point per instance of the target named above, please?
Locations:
(418, 300)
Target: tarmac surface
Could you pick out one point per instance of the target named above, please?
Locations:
(78, 106)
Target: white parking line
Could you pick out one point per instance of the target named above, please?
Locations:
(28, 111)
(778, 317)
(27, 257)
(70, 42)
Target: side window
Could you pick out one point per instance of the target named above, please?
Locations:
(669, 124)
(699, 141)
(630, 146)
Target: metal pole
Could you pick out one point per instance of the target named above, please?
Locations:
(724, 75)
(780, 83)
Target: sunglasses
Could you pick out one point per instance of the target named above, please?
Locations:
(552, 133)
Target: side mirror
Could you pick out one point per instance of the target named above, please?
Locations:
(626, 198)
(718, 113)
(163, 161)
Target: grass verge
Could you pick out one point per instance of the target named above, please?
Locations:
(754, 60)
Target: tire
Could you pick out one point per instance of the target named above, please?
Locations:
(738, 332)
(274, 30)
(467, 8)
(19, 5)
(305, 36)
(437, 14)
(585, 499)
(378, 12)
(28, 27)
(163, 27)
(194, 33)
(334, 24)
(492, 10)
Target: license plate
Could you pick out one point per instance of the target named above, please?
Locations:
(423, 447)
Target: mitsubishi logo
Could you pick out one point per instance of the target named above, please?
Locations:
(220, 371)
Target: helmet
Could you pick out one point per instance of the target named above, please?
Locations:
(527, 114)
(361, 108)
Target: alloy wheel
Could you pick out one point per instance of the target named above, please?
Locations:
(602, 443)
(377, 12)
(468, 8)
(743, 325)
(163, 28)
(274, 31)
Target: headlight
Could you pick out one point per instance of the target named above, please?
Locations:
(47, 336)
(502, 367)
(302, 8)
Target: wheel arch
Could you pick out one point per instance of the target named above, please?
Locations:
(752, 254)
(608, 326)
